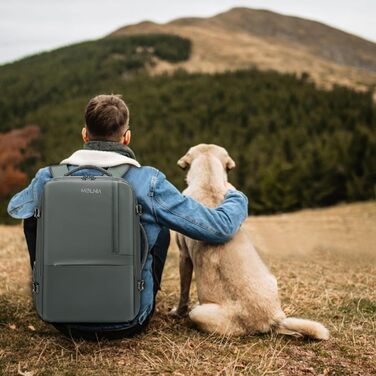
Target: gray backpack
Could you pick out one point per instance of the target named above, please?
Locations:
(88, 255)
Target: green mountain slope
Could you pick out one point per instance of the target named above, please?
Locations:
(80, 69)
(295, 145)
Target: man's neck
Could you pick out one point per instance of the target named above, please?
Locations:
(114, 146)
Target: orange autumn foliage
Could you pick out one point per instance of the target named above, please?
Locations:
(14, 150)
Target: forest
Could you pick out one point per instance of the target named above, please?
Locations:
(295, 145)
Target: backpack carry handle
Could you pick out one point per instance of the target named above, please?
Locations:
(88, 167)
(118, 171)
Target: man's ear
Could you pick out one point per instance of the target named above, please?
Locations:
(230, 163)
(84, 134)
(185, 161)
(127, 137)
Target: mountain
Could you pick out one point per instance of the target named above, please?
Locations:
(243, 38)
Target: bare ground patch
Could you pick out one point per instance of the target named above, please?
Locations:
(325, 264)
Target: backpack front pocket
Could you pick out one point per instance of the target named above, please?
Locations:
(90, 293)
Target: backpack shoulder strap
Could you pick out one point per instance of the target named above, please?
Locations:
(57, 171)
(60, 170)
(118, 171)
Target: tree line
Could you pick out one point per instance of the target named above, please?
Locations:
(296, 146)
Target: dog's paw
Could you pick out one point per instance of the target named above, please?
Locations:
(178, 313)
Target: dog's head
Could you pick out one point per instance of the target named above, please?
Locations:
(210, 150)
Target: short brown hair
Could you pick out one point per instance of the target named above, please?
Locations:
(106, 117)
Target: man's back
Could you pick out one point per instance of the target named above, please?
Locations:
(163, 205)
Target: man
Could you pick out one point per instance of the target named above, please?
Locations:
(106, 137)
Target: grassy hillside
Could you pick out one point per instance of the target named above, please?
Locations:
(325, 272)
(243, 37)
(295, 146)
(320, 39)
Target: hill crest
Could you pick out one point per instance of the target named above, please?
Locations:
(244, 37)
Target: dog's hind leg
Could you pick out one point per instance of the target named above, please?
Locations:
(213, 318)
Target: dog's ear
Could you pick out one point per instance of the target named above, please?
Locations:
(230, 163)
(185, 161)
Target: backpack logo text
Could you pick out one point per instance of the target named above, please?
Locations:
(96, 191)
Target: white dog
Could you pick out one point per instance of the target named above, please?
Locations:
(237, 294)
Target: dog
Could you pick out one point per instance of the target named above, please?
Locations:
(237, 293)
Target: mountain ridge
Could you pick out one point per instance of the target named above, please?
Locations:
(244, 37)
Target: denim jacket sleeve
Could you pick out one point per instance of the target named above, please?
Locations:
(189, 217)
(23, 204)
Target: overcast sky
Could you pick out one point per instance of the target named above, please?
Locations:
(31, 26)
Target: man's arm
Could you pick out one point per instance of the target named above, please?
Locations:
(189, 217)
(23, 204)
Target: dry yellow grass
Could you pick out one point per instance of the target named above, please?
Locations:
(325, 264)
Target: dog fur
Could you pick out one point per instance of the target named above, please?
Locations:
(237, 293)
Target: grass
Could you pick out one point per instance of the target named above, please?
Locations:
(324, 278)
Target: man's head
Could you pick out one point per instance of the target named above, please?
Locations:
(107, 119)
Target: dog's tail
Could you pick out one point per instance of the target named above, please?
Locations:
(302, 328)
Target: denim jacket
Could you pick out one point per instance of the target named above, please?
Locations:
(163, 205)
